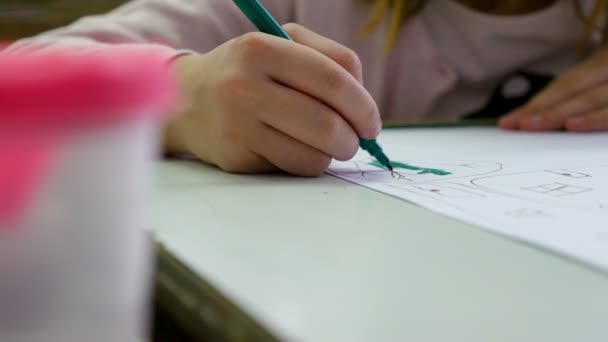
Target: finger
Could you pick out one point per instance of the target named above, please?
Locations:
(587, 75)
(509, 121)
(315, 74)
(289, 154)
(593, 122)
(308, 120)
(312, 73)
(339, 53)
(555, 118)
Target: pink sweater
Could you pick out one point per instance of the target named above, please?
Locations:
(448, 61)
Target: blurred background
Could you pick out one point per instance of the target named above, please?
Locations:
(22, 18)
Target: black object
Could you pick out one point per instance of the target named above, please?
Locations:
(501, 102)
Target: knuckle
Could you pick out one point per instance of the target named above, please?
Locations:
(337, 79)
(350, 61)
(329, 127)
(344, 145)
(253, 45)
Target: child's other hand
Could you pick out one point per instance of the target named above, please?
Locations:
(260, 103)
(576, 101)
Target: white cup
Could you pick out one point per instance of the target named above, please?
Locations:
(78, 265)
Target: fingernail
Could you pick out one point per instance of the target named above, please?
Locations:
(508, 121)
(577, 121)
(577, 124)
(534, 120)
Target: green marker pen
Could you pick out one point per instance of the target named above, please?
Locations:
(265, 22)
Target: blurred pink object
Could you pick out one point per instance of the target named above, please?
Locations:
(78, 135)
(46, 98)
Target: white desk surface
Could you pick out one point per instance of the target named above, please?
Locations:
(326, 260)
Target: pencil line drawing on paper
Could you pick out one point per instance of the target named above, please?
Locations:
(366, 169)
(581, 187)
(446, 191)
(558, 189)
(368, 174)
(419, 170)
(547, 189)
(570, 174)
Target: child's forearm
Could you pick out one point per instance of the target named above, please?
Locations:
(198, 25)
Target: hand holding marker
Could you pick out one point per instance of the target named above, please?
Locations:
(266, 23)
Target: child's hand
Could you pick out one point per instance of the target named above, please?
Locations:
(576, 101)
(260, 103)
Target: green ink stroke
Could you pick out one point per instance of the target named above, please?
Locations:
(423, 171)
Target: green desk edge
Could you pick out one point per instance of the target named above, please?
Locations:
(198, 307)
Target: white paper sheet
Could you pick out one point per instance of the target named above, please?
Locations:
(548, 189)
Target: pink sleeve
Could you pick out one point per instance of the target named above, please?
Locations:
(169, 25)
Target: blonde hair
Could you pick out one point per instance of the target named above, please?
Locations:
(404, 10)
